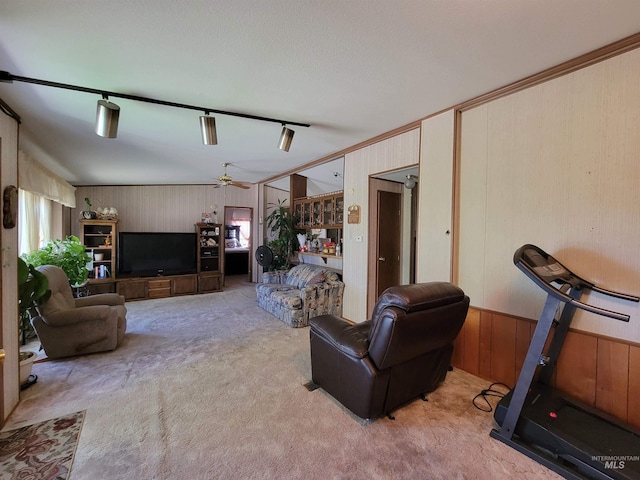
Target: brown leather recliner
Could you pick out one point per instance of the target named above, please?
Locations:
(402, 352)
(69, 326)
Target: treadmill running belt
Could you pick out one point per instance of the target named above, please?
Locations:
(604, 439)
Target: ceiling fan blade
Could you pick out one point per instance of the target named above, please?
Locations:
(239, 185)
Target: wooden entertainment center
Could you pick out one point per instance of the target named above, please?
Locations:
(100, 238)
(157, 287)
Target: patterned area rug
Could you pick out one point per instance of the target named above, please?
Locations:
(42, 451)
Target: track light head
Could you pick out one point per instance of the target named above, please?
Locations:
(286, 137)
(107, 117)
(208, 129)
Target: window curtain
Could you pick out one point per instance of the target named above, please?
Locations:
(34, 225)
(38, 189)
(35, 178)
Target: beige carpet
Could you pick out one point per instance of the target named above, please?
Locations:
(211, 387)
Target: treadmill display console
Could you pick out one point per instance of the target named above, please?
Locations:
(543, 266)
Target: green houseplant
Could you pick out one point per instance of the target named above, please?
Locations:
(89, 213)
(68, 254)
(33, 290)
(281, 222)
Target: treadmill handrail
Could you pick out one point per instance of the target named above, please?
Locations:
(611, 293)
(601, 311)
(551, 290)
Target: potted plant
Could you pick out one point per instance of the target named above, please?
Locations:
(68, 254)
(89, 213)
(281, 222)
(33, 290)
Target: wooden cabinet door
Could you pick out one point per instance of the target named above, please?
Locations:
(184, 285)
(133, 289)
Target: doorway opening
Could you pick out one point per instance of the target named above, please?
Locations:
(393, 205)
(237, 241)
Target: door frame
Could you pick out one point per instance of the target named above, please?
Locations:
(229, 208)
(376, 185)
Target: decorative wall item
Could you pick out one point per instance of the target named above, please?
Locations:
(353, 214)
(10, 207)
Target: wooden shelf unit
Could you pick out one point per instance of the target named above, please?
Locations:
(210, 256)
(100, 238)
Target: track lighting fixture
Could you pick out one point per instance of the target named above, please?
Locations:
(208, 129)
(411, 181)
(107, 117)
(108, 112)
(286, 137)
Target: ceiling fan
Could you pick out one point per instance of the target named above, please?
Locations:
(226, 180)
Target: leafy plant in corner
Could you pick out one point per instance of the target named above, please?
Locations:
(68, 254)
(281, 223)
(33, 290)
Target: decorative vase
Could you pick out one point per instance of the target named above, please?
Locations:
(302, 239)
(26, 363)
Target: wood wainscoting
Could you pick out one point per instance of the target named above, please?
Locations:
(599, 371)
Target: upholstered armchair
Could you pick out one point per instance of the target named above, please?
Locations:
(401, 353)
(69, 326)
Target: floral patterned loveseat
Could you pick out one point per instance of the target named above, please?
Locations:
(305, 291)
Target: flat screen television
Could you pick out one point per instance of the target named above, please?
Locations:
(150, 254)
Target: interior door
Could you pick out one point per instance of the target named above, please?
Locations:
(385, 220)
(389, 238)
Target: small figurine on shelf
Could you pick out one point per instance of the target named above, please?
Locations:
(107, 241)
(107, 213)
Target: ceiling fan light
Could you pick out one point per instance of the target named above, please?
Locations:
(286, 137)
(208, 130)
(107, 117)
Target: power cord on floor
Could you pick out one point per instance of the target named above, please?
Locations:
(490, 392)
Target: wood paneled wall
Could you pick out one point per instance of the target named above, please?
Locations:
(599, 371)
(161, 208)
(555, 165)
(393, 153)
(272, 197)
(166, 208)
(435, 209)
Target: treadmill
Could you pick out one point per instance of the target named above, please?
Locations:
(571, 438)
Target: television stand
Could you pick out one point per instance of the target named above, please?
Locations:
(143, 288)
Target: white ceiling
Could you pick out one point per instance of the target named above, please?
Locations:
(353, 69)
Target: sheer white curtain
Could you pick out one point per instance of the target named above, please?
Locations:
(34, 221)
(41, 195)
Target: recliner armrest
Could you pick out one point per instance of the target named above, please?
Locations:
(78, 315)
(352, 339)
(100, 299)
